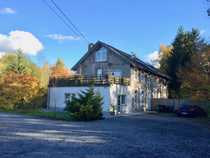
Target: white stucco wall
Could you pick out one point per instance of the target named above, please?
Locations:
(56, 96)
(116, 90)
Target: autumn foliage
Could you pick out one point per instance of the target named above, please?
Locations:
(18, 90)
(196, 77)
(59, 70)
(184, 62)
(23, 85)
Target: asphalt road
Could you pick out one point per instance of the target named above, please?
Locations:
(123, 137)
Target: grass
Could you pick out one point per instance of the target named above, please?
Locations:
(43, 114)
(49, 114)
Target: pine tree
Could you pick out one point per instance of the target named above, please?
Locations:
(86, 106)
(184, 46)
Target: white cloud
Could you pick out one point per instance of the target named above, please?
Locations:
(7, 11)
(25, 41)
(202, 32)
(1, 54)
(153, 58)
(60, 37)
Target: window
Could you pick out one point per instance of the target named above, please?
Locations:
(121, 100)
(101, 55)
(99, 73)
(117, 73)
(135, 73)
(68, 97)
(136, 97)
(141, 77)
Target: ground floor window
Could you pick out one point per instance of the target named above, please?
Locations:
(121, 100)
(68, 97)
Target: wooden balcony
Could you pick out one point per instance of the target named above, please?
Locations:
(87, 81)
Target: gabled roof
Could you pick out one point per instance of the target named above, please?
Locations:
(134, 61)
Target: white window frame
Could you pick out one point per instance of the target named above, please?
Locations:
(101, 55)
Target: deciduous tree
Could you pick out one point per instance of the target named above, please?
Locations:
(19, 81)
(59, 70)
(195, 77)
(17, 90)
(184, 46)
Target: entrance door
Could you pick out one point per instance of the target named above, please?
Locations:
(142, 100)
(137, 101)
(121, 103)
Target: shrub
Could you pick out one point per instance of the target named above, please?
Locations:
(38, 101)
(86, 106)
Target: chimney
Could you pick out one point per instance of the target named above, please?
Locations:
(90, 46)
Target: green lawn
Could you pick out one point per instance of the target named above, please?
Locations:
(50, 115)
(44, 114)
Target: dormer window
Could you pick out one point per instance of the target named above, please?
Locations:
(101, 55)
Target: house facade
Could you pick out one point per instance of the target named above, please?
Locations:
(126, 83)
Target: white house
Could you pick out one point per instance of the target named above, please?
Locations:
(124, 81)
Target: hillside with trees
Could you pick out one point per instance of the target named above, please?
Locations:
(23, 84)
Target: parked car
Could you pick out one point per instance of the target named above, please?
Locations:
(191, 111)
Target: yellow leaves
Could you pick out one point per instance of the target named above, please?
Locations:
(165, 51)
(60, 72)
(17, 89)
(195, 78)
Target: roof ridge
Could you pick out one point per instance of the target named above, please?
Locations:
(114, 47)
(148, 66)
(133, 61)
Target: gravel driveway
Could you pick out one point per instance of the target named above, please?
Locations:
(131, 137)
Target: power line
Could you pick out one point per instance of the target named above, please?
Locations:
(69, 26)
(69, 20)
(60, 17)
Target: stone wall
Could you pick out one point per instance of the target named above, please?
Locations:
(114, 62)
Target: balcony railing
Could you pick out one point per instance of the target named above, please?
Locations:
(87, 81)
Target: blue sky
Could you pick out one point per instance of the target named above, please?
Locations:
(131, 25)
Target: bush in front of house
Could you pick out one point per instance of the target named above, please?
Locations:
(86, 106)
